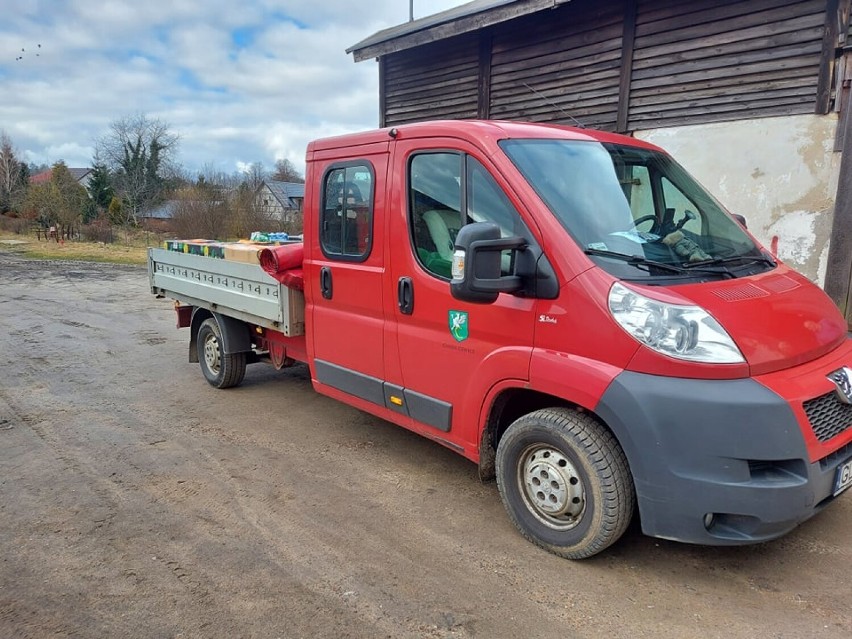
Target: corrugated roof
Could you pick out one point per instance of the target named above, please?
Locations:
(462, 19)
(284, 192)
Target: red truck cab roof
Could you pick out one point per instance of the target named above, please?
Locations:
(483, 130)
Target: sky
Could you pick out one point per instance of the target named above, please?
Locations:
(239, 81)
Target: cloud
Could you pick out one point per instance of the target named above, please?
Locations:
(239, 82)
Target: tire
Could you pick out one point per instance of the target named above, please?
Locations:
(565, 482)
(220, 370)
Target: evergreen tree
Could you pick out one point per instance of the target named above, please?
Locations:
(100, 186)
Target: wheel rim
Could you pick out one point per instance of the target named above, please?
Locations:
(211, 353)
(551, 487)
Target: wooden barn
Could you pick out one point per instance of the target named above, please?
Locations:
(750, 95)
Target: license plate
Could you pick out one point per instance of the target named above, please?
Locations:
(843, 477)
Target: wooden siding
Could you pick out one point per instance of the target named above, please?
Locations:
(679, 63)
(570, 58)
(436, 81)
(708, 61)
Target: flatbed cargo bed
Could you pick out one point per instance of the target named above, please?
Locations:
(241, 290)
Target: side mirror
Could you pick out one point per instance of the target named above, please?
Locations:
(477, 264)
(740, 219)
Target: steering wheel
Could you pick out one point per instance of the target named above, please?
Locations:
(646, 218)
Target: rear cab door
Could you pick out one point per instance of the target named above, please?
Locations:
(345, 259)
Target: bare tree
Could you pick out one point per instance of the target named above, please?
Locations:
(254, 175)
(11, 172)
(200, 211)
(140, 152)
(286, 172)
(246, 215)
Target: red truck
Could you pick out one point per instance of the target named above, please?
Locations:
(569, 309)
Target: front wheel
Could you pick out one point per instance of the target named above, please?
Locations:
(565, 482)
(220, 369)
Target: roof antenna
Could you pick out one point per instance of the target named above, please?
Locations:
(553, 104)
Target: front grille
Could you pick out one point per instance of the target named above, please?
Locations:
(828, 416)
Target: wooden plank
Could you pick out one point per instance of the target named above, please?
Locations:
(838, 275)
(655, 10)
(382, 93)
(737, 60)
(801, 65)
(726, 82)
(523, 49)
(625, 74)
(484, 81)
(603, 50)
(711, 15)
(459, 102)
(575, 21)
(731, 102)
(558, 91)
(693, 118)
(567, 73)
(461, 99)
(430, 86)
(695, 31)
(777, 34)
(826, 64)
(742, 88)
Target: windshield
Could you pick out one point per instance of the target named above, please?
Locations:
(621, 202)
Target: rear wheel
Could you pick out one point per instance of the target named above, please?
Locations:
(220, 369)
(565, 482)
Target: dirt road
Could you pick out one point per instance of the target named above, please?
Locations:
(137, 501)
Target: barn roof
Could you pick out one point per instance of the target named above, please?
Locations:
(77, 173)
(462, 19)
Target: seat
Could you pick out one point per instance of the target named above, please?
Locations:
(443, 226)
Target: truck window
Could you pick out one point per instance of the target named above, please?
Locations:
(438, 211)
(346, 219)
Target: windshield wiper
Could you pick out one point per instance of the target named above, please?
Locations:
(638, 260)
(745, 259)
(635, 260)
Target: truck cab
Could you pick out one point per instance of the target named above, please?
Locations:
(607, 331)
(569, 309)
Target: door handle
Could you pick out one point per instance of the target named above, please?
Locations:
(405, 295)
(325, 282)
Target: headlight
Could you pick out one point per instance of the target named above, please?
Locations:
(683, 332)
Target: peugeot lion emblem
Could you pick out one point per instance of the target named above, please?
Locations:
(842, 378)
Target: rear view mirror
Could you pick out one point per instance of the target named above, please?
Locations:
(477, 265)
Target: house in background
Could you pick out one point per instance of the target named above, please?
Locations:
(159, 218)
(752, 96)
(281, 200)
(83, 177)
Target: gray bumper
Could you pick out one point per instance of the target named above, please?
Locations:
(715, 462)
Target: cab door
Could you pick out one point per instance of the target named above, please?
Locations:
(346, 294)
(451, 352)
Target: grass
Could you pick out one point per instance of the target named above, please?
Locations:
(133, 251)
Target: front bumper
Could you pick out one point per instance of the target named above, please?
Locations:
(724, 462)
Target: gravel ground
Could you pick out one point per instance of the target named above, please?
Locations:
(137, 501)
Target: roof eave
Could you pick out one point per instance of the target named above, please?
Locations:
(427, 30)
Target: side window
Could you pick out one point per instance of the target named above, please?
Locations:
(486, 202)
(677, 204)
(435, 207)
(637, 188)
(437, 182)
(346, 217)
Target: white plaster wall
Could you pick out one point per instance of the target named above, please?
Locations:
(780, 173)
